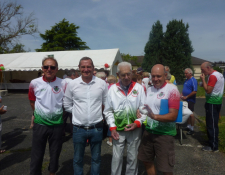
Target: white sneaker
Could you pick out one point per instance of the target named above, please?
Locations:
(109, 143)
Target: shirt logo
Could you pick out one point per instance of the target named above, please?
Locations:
(56, 89)
(135, 93)
(43, 90)
(160, 95)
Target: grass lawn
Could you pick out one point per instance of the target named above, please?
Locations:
(221, 131)
(200, 92)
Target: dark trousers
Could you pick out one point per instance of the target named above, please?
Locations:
(42, 134)
(212, 118)
(65, 116)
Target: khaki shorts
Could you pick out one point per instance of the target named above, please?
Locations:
(159, 146)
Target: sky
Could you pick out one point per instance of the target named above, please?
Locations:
(126, 24)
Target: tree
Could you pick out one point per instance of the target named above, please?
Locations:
(130, 59)
(177, 48)
(18, 48)
(153, 48)
(62, 36)
(217, 68)
(13, 25)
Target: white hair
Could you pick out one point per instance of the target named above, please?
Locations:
(189, 71)
(100, 74)
(123, 64)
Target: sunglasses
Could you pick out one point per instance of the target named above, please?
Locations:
(51, 67)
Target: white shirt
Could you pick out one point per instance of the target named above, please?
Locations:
(146, 81)
(85, 100)
(66, 81)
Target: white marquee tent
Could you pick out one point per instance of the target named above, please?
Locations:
(24, 66)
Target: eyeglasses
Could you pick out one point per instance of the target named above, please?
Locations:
(51, 67)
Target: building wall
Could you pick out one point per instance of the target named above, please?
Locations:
(197, 69)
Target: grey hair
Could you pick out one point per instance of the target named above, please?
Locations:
(167, 67)
(100, 74)
(207, 64)
(189, 71)
(122, 64)
(168, 77)
(49, 58)
(72, 72)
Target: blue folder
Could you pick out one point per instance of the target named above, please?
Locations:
(164, 109)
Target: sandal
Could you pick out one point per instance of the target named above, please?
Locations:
(2, 151)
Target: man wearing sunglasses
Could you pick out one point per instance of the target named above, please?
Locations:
(84, 98)
(46, 95)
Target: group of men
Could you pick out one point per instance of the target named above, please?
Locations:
(87, 98)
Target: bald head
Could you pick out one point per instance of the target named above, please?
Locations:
(206, 68)
(158, 67)
(158, 75)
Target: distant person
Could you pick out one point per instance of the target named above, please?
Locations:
(140, 71)
(146, 79)
(39, 74)
(172, 80)
(123, 100)
(95, 72)
(85, 98)
(168, 77)
(66, 74)
(189, 94)
(111, 79)
(71, 75)
(214, 89)
(134, 72)
(2, 111)
(139, 81)
(46, 98)
(101, 75)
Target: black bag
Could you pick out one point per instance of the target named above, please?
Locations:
(105, 128)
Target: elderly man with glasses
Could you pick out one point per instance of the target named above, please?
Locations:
(46, 97)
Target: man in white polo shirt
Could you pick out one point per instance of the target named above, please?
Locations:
(46, 95)
(214, 97)
(84, 98)
(157, 141)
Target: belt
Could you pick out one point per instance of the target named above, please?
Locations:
(97, 125)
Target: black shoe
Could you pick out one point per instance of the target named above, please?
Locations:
(190, 132)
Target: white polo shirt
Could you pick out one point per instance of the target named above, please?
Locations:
(85, 100)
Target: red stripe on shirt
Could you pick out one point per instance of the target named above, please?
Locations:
(31, 95)
(174, 99)
(212, 80)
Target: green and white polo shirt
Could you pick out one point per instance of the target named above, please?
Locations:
(48, 97)
(215, 80)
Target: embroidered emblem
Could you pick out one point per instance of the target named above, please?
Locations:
(161, 95)
(135, 93)
(43, 90)
(56, 89)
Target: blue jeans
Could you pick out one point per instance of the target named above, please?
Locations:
(80, 137)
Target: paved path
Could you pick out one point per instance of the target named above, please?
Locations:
(17, 141)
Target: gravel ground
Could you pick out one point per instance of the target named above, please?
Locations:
(16, 137)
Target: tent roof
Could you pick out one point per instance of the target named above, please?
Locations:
(31, 61)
